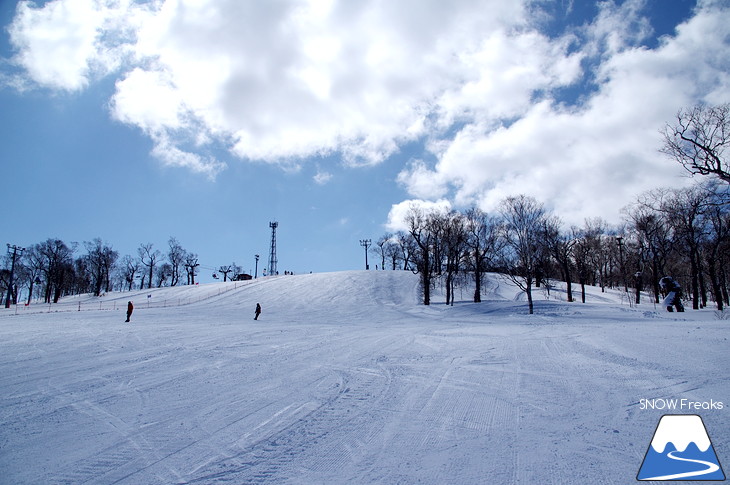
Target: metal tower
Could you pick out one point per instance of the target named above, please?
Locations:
(272, 251)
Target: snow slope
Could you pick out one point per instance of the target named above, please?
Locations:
(347, 379)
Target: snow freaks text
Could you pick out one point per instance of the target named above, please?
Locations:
(663, 404)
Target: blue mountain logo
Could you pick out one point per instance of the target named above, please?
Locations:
(681, 450)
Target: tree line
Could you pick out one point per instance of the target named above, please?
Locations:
(684, 233)
(51, 269)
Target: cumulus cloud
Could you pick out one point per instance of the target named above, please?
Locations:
(65, 44)
(272, 81)
(595, 156)
(399, 212)
(499, 104)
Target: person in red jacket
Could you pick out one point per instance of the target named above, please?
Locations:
(130, 309)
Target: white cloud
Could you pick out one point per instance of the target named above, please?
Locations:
(57, 42)
(149, 100)
(594, 158)
(321, 178)
(169, 154)
(476, 80)
(422, 182)
(274, 81)
(398, 212)
(65, 44)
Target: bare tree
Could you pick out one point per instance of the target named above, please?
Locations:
(393, 251)
(653, 236)
(582, 259)
(128, 268)
(191, 266)
(33, 264)
(407, 248)
(381, 248)
(717, 243)
(453, 238)
(524, 219)
(482, 241)
(163, 272)
(57, 263)
(149, 258)
(100, 259)
(176, 256)
(699, 138)
(561, 246)
(684, 211)
(421, 231)
(225, 270)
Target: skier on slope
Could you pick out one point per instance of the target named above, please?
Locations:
(130, 309)
(258, 311)
(673, 294)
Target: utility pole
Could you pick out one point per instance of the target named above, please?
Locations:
(256, 273)
(15, 250)
(366, 244)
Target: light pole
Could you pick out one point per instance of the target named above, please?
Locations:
(620, 240)
(366, 244)
(256, 273)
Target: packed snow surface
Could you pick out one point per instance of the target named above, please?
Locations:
(347, 379)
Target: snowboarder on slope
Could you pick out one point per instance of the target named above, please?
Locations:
(130, 309)
(673, 292)
(258, 311)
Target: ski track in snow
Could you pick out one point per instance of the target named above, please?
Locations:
(346, 379)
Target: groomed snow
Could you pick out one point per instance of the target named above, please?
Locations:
(346, 379)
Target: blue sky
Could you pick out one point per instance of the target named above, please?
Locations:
(137, 121)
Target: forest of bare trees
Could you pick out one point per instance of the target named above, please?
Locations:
(51, 269)
(684, 233)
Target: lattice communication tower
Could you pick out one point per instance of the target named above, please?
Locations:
(272, 251)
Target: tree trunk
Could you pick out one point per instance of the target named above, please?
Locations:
(694, 270)
(716, 290)
(30, 291)
(478, 283)
(568, 282)
(426, 279)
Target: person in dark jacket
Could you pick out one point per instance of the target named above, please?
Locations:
(673, 294)
(130, 309)
(258, 311)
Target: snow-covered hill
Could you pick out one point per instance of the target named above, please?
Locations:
(346, 378)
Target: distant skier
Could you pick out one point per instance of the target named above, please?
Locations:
(258, 311)
(673, 292)
(130, 309)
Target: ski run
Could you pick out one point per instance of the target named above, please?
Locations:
(346, 378)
